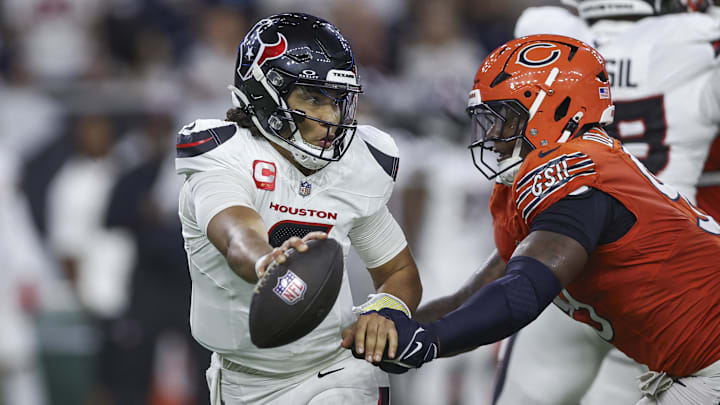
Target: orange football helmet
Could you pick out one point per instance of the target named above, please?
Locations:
(535, 91)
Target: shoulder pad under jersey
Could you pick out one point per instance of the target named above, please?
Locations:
(682, 45)
(552, 172)
(680, 28)
(382, 147)
(552, 20)
(202, 136)
(197, 147)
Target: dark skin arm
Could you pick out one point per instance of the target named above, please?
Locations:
(240, 235)
(561, 254)
(564, 256)
(492, 269)
(400, 278)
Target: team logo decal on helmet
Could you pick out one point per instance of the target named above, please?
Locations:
(295, 51)
(265, 53)
(530, 93)
(526, 60)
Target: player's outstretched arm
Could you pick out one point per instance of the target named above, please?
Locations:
(542, 264)
(492, 269)
(399, 277)
(398, 285)
(240, 235)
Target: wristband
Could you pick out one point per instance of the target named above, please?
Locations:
(379, 301)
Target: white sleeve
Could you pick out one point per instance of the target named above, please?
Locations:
(213, 191)
(710, 104)
(377, 238)
(552, 20)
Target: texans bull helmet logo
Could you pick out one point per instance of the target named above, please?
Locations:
(257, 52)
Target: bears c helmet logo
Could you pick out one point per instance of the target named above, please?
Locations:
(535, 91)
(537, 59)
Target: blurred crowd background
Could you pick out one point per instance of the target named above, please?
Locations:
(94, 288)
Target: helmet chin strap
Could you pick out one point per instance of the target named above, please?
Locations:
(305, 160)
(240, 100)
(509, 167)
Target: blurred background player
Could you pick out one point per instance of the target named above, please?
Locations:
(24, 269)
(285, 165)
(663, 80)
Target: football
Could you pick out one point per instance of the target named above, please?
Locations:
(292, 298)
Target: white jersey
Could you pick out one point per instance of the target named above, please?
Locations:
(664, 73)
(226, 166)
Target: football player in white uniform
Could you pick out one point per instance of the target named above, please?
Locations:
(664, 73)
(281, 170)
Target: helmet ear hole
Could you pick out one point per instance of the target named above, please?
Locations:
(562, 109)
(602, 76)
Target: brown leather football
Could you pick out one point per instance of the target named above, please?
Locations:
(293, 298)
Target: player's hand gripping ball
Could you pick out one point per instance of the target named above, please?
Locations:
(293, 298)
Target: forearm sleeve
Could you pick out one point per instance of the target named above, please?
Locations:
(500, 309)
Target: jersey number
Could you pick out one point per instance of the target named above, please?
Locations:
(284, 230)
(584, 313)
(642, 122)
(704, 221)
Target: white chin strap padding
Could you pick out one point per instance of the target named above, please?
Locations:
(240, 100)
(608, 116)
(507, 177)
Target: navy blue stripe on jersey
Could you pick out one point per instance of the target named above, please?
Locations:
(387, 162)
(576, 166)
(197, 143)
(581, 165)
(528, 177)
(716, 47)
(384, 396)
(550, 191)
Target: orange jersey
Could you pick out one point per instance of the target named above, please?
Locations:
(708, 193)
(654, 292)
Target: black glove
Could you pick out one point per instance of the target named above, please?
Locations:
(416, 344)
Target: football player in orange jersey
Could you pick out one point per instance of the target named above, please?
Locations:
(667, 113)
(579, 222)
(708, 193)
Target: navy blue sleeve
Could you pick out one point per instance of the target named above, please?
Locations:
(499, 309)
(591, 218)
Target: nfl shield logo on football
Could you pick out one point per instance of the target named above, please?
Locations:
(305, 188)
(290, 288)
